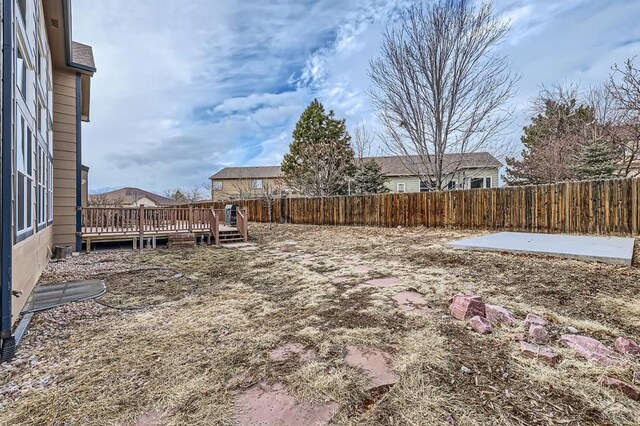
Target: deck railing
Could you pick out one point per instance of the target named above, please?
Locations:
(156, 220)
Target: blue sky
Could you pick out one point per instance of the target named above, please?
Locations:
(186, 88)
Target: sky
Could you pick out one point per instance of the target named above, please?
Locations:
(185, 88)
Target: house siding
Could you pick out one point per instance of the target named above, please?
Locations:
(412, 183)
(65, 182)
(29, 258)
(230, 188)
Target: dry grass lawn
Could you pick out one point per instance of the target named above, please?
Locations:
(181, 333)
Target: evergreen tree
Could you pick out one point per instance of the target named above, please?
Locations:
(370, 179)
(320, 158)
(596, 161)
(551, 144)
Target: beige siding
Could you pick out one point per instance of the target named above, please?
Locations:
(29, 258)
(64, 158)
(232, 188)
(411, 183)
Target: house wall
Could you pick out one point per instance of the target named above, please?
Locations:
(462, 179)
(31, 249)
(29, 257)
(234, 188)
(64, 158)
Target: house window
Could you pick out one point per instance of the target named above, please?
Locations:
(256, 184)
(477, 183)
(216, 185)
(425, 186)
(22, 6)
(24, 180)
(41, 192)
(50, 189)
(401, 187)
(452, 185)
(21, 74)
(487, 182)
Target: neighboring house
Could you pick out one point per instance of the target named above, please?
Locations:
(130, 197)
(473, 170)
(45, 97)
(463, 171)
(244, 182)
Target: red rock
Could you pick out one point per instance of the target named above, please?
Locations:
(463, 307)
(543, 353)
(499, 314)
(481, 325)
(534, 319)
(374, 363)
(412, 301)
(624, 387)
(538, 333)
(627, 346)
(591, 349)
(271, 405)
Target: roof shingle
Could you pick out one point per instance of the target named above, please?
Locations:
(82, 54)
(391, 166)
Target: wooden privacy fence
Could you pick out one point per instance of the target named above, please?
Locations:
(593, 207)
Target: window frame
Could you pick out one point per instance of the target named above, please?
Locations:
(23, 176)
(404, 187)
(452, 185)
(216, 185)
(487, 182)
(257, 184)
(476, 180)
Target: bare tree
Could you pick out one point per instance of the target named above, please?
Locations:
(363, 141)
(624, 87)
(106, 200)
(243, 189)
(439, 89)
(185, 196)
(270, 193)
(324, 174)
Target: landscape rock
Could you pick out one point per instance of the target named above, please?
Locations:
(412, 301)
(627, 346)
(463, 307)
(534, 319)
(382, 282)
(481, 325)
(624, 387)
(495, 314)
(271, 405)
(465, 370)
(543, 353)
(591, 349)
(290, 351)
(572, 330)
(375, 364)
(538, 333)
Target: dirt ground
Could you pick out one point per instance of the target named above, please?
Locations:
(181, 334)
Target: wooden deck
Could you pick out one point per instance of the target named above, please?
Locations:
(147, 224)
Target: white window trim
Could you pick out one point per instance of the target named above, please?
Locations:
(29, 183)
(257, 184)
(403, 186)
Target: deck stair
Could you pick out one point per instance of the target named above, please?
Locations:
(231, 236)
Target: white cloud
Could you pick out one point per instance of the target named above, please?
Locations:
(184, 88)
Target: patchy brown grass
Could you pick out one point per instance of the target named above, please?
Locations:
(179, 334)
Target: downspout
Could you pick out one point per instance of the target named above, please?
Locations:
(78, 162)
(7, 341)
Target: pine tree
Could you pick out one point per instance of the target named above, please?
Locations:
(320, 157)
(596, 161)
(370, 179)
(551, 144)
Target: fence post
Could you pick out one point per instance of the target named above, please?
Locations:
(190, 218)
(141, 225)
